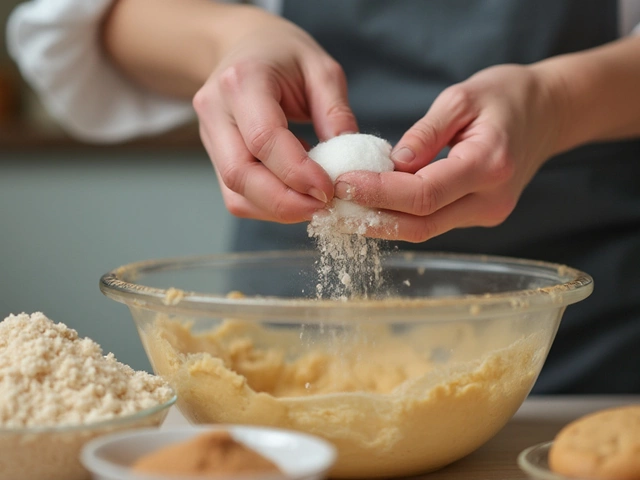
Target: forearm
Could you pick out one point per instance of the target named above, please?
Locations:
(598, 93)
(172, 46)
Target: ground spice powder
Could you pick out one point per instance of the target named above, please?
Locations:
(209, 454)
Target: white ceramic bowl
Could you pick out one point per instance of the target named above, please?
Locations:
(299, 456)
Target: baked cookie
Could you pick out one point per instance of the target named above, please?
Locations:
(604, 445)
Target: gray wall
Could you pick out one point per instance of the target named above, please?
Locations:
(68, 217)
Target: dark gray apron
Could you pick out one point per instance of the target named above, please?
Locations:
(582, 208)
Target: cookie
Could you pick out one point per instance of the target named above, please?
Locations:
(604, 445)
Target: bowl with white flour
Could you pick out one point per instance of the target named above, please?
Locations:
(58, 391)
(413, 363)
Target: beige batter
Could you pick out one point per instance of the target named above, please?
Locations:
(388, 404)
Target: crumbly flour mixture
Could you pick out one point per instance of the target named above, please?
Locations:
(393, 403)
(49, 376)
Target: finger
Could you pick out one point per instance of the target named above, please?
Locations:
(469, 211)
(452, 110)
(423, 193)
(263, 125)
(327, 93)
(268, 198)
(236, 203)
(240, 206)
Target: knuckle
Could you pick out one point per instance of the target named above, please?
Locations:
(457, 97)
(423, 231)
(260, 140)
(334, 72)
(288, 174)
(427, 199)
(340, 111)
(425, 134)
(501, 169)
(235, 207)
(233, 177)
(200, 101)
(280, 209)
(499, 211)
(230, 78)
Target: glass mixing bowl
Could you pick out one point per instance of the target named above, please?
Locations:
(404, 382)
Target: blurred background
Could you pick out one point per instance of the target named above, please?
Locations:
(70, 212)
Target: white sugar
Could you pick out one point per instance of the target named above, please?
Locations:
(356, 151)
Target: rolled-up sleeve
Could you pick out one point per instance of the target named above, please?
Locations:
(56, 44)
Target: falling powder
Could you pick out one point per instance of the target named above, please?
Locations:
(349, 264)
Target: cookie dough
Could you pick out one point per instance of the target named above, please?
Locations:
(394, 402)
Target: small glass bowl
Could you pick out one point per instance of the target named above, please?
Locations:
(53, 453)
(299, 456)
(534, 461)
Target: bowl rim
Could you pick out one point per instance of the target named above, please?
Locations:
(572, 286)
(533, 469)
(71, 428)
(97, 465)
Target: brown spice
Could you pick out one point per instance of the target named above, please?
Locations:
(209, 454)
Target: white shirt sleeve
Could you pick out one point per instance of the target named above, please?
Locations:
(56, 46)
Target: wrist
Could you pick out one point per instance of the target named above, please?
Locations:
(563, 98)
(174, 49)
(596, 93)
(220, 30)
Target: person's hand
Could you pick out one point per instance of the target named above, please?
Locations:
(271, 72)
(501, 124)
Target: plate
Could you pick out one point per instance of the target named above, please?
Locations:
(534, 461)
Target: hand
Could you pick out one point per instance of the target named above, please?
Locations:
(271, 72)
(501, 124)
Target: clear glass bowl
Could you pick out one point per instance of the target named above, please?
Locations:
(405, 382)
(534, 461)
(53, 453)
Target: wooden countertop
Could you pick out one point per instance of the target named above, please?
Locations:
(538, 420)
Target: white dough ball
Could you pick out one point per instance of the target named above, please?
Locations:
(355, 151)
